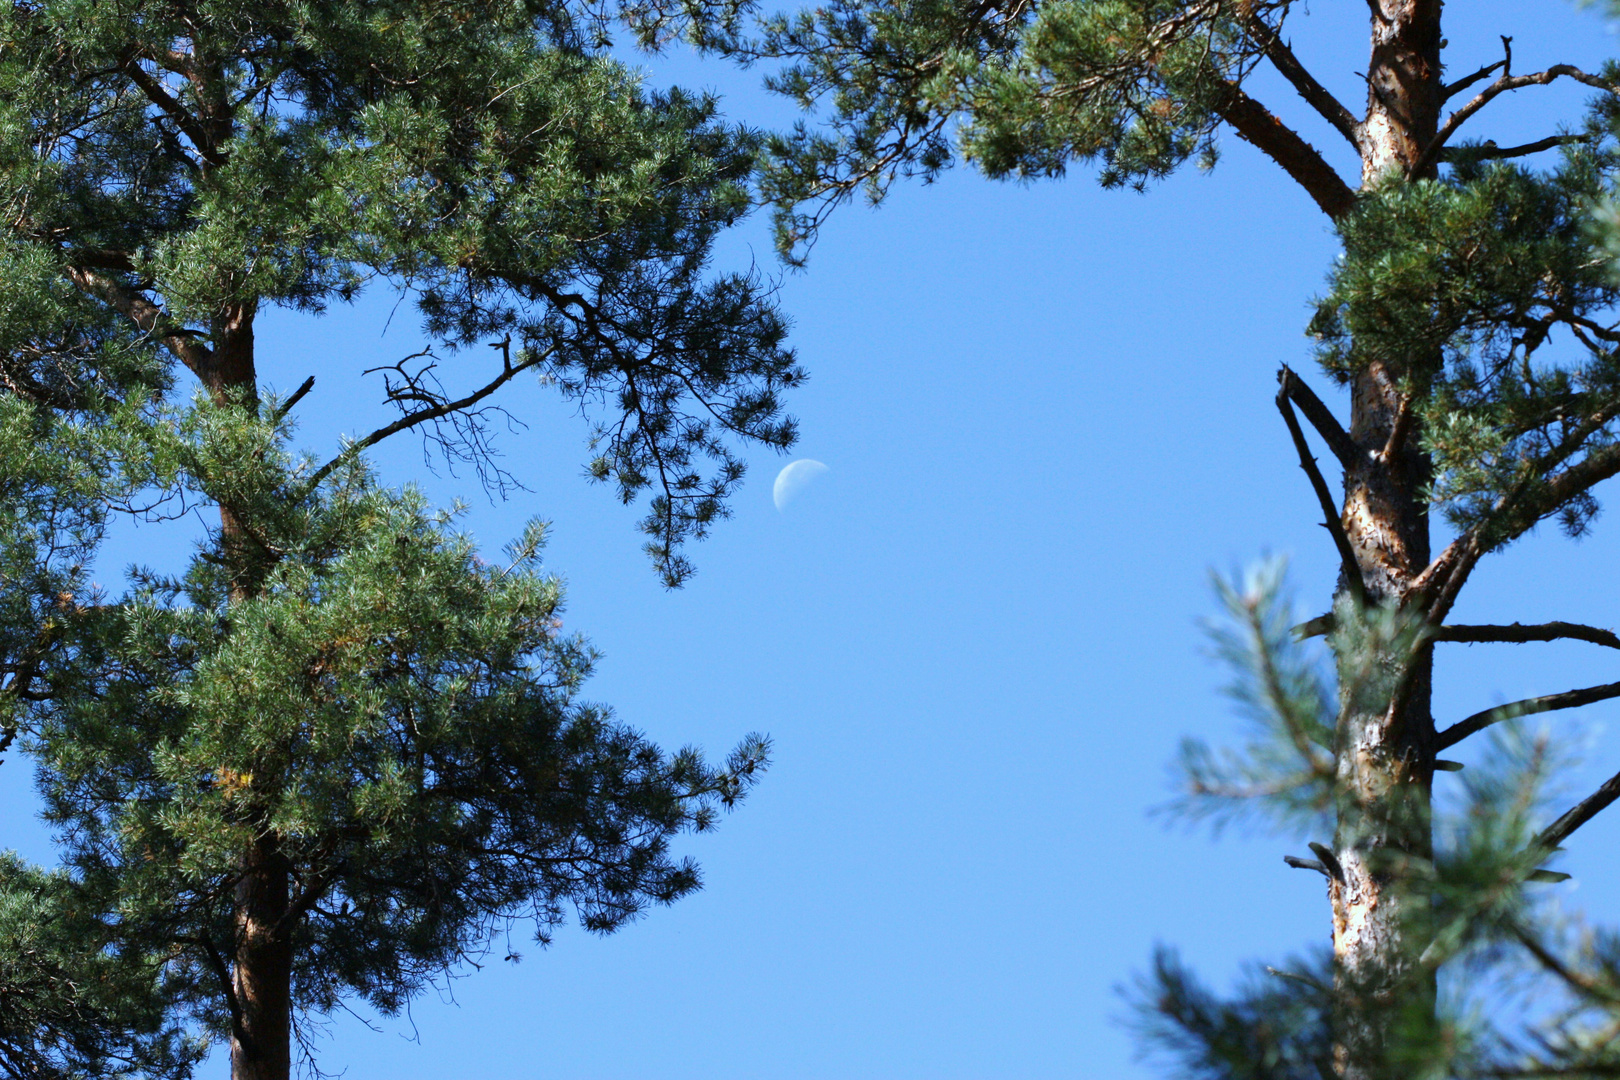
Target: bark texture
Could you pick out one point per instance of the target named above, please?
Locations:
(1386, 747)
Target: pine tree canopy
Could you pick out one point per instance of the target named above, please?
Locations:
(339, 752)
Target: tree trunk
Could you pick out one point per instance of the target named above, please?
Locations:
(261, 1044)
(1383, 843)
(261, 977)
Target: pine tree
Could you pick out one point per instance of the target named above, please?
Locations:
(1470, 324)
(339, 751)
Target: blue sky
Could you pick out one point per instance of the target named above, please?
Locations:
(1047, 416)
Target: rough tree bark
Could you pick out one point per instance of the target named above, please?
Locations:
(1386, 752)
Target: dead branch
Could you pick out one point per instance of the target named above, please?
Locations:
(1569, 699)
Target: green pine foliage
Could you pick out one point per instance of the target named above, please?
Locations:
(486, 157)
(1021, 89)
(397, 716)
(1531, 990)
(338, 736)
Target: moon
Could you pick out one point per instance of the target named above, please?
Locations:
(793, 478)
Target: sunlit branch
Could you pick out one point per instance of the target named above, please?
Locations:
(1315, 94)
(1298, 158)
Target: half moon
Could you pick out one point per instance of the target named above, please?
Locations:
(793, 478)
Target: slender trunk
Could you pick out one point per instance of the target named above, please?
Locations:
(261, 1044)
(1383, 843)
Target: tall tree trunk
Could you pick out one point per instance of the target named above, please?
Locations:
(261, 1044)
(1381, 907)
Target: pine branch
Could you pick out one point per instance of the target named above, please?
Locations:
(1520, 633)
(1579, 814)
(1569, 699)
(1321, 417)
(1516, 512)
(1299, 159)
(1501, 86)
(148, 316)
(1315, 94)
(172, 108)
(1347, 555)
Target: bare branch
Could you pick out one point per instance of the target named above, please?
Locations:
(1579, 814)
(421, 416)
(1501, 86)
(1519, 633)
(1321, 417)
(1569, 699)
(1307, 864)
(1453, 89)
(297, 395)
(1347, 555)
(1315, 94)
(1491, 152)
(1330, 861)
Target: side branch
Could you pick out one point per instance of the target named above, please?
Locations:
(1569, 699)
(148, 316)
(1579, 814)
(1347, 555)
(1255, 123)
(435, 411)
(1492, 152)
(1315, 94)
(1501, 86)
(1518, 633)
(1321, 417)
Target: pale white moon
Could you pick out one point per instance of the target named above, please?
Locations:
(793, 478)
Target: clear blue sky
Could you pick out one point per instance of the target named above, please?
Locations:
(1047, 413)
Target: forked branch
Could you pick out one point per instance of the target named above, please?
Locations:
(1321, 417)
(1347, 555)
(1315, 94)
(1451, 90)
(437, 408)
(1569, 699)
(1502, 85)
